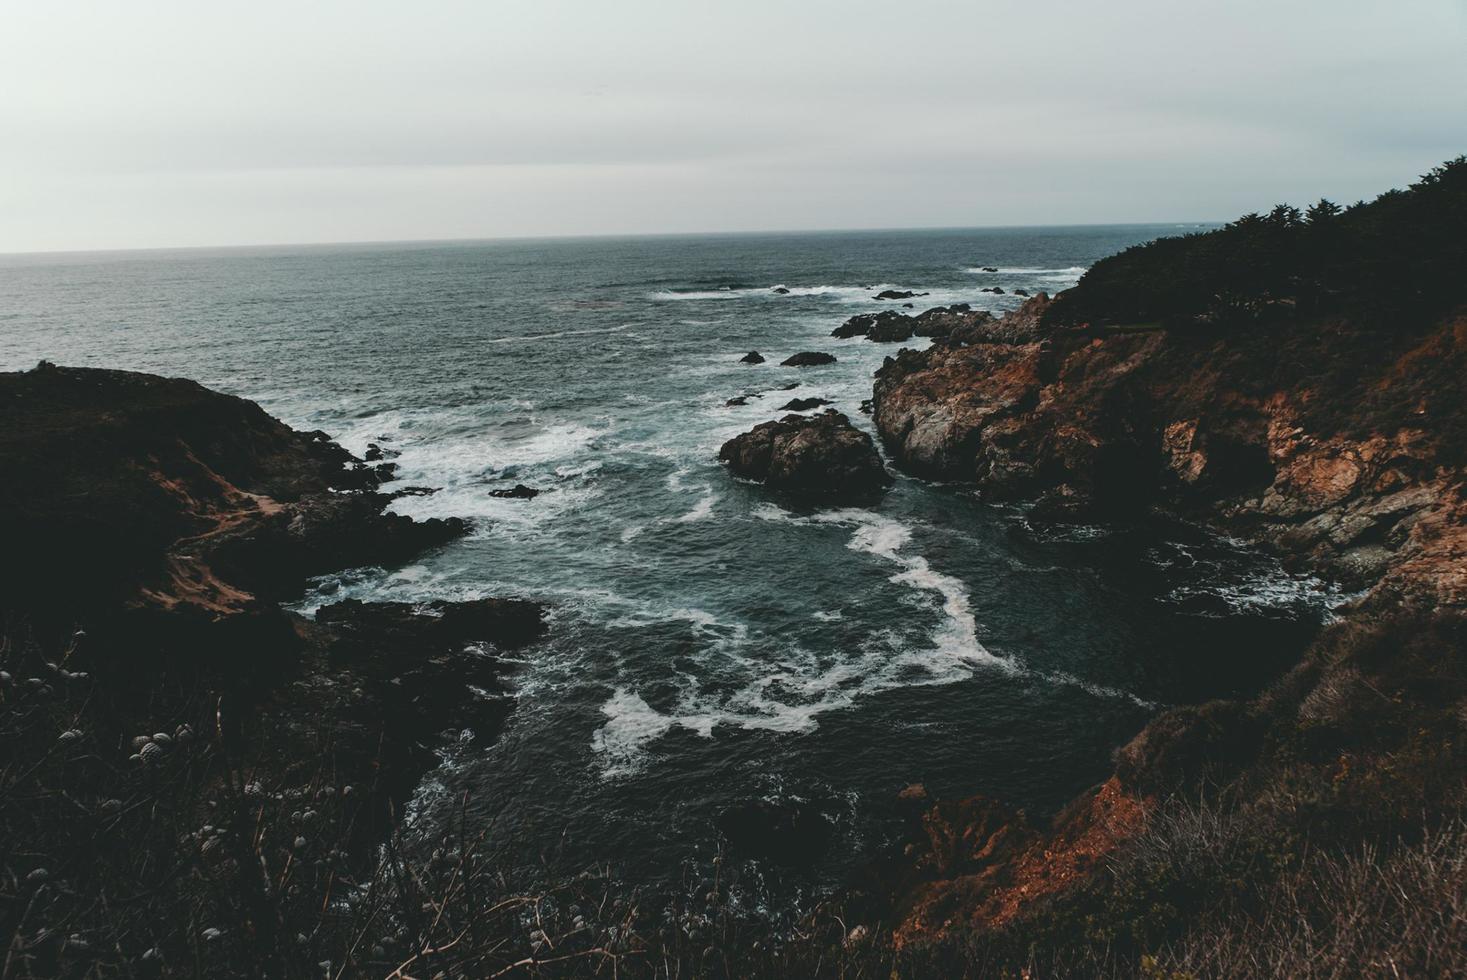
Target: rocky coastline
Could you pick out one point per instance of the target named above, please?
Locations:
(155, 527)
(1333, 437)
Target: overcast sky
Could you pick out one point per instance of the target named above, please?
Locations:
(148, 124)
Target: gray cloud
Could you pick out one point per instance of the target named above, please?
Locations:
(167, 123)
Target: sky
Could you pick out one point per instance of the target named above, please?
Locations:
(157, 123)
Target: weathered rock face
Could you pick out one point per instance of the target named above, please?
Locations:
(1338, 443)
(166, 520)
(821, 456)
(129, 493)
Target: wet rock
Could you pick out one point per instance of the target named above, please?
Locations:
(861, 324)
(897, 294)
(517, 492)
(735, 402)
(808, 358)
(753, 357)
(822, 455)
(781, 290)
(803, 404)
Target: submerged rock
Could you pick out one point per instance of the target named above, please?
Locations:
(808, 358)
(822, 455)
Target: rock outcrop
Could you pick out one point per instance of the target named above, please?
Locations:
(134, 497)
(808, 358)
(517, 492)
(889, 326)
(1335, 442)
(165, 522)
(803, 404)
(816, 456)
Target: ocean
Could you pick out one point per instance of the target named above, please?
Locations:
(711, 645)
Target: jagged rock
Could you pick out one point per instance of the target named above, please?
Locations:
(821, 455)
(861, 324)
(809, 358)
(518, 492)
(136, 495)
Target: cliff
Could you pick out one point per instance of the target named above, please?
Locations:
(1249, 380)
(186, 762)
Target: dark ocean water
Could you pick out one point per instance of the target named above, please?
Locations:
(710, 645)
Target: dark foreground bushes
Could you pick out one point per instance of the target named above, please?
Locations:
(1342, 853)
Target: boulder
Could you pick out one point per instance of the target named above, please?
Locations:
(808, 358)
(821, 455)
(753, 357)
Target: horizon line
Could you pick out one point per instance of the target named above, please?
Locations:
(585, 236)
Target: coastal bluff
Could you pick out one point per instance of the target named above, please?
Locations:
(153, 529)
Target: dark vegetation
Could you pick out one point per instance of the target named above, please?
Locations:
(1400, 255)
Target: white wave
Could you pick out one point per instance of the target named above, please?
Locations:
(555, 335)
(1070, 270)
(701, 510)
(881, 536)
(631, 723)
(833, 616)
(768, 292)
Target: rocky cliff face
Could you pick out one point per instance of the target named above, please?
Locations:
(1337, 442)
(132, 498)
(163, 523)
